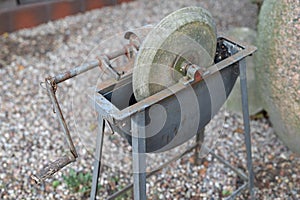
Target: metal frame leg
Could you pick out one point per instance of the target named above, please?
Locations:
(139, 155)
(199, 141)
(98, 155)
(244, 92)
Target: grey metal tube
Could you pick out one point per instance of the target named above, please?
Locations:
(237, 171)
(244, 92)
(75, 71)
(87, 66)
(98, 156)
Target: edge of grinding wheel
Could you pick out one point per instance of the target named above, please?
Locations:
(157, 42)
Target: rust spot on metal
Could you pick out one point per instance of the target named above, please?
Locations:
(101, 65)
(198, 76)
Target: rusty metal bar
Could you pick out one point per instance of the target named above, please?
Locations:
(53, 167)
(51, 92)
(116, 53)
(199, 141)
(92, 64)
(75, 71)
(139, 155)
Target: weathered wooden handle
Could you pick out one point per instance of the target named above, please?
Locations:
(53, 167)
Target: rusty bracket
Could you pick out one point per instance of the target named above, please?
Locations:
(134, 39)
(194, 73)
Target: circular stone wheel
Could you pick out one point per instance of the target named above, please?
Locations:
(185, 36)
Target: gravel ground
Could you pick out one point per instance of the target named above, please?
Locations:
(31, 136)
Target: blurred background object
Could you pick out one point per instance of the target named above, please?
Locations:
(18, 14)
(278, 67)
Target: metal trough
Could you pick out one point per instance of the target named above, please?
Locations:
(175, 114)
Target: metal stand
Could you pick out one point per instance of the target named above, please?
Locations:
(139, 151)
(135, 115)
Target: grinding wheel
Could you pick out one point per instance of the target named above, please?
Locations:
(187, 35)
